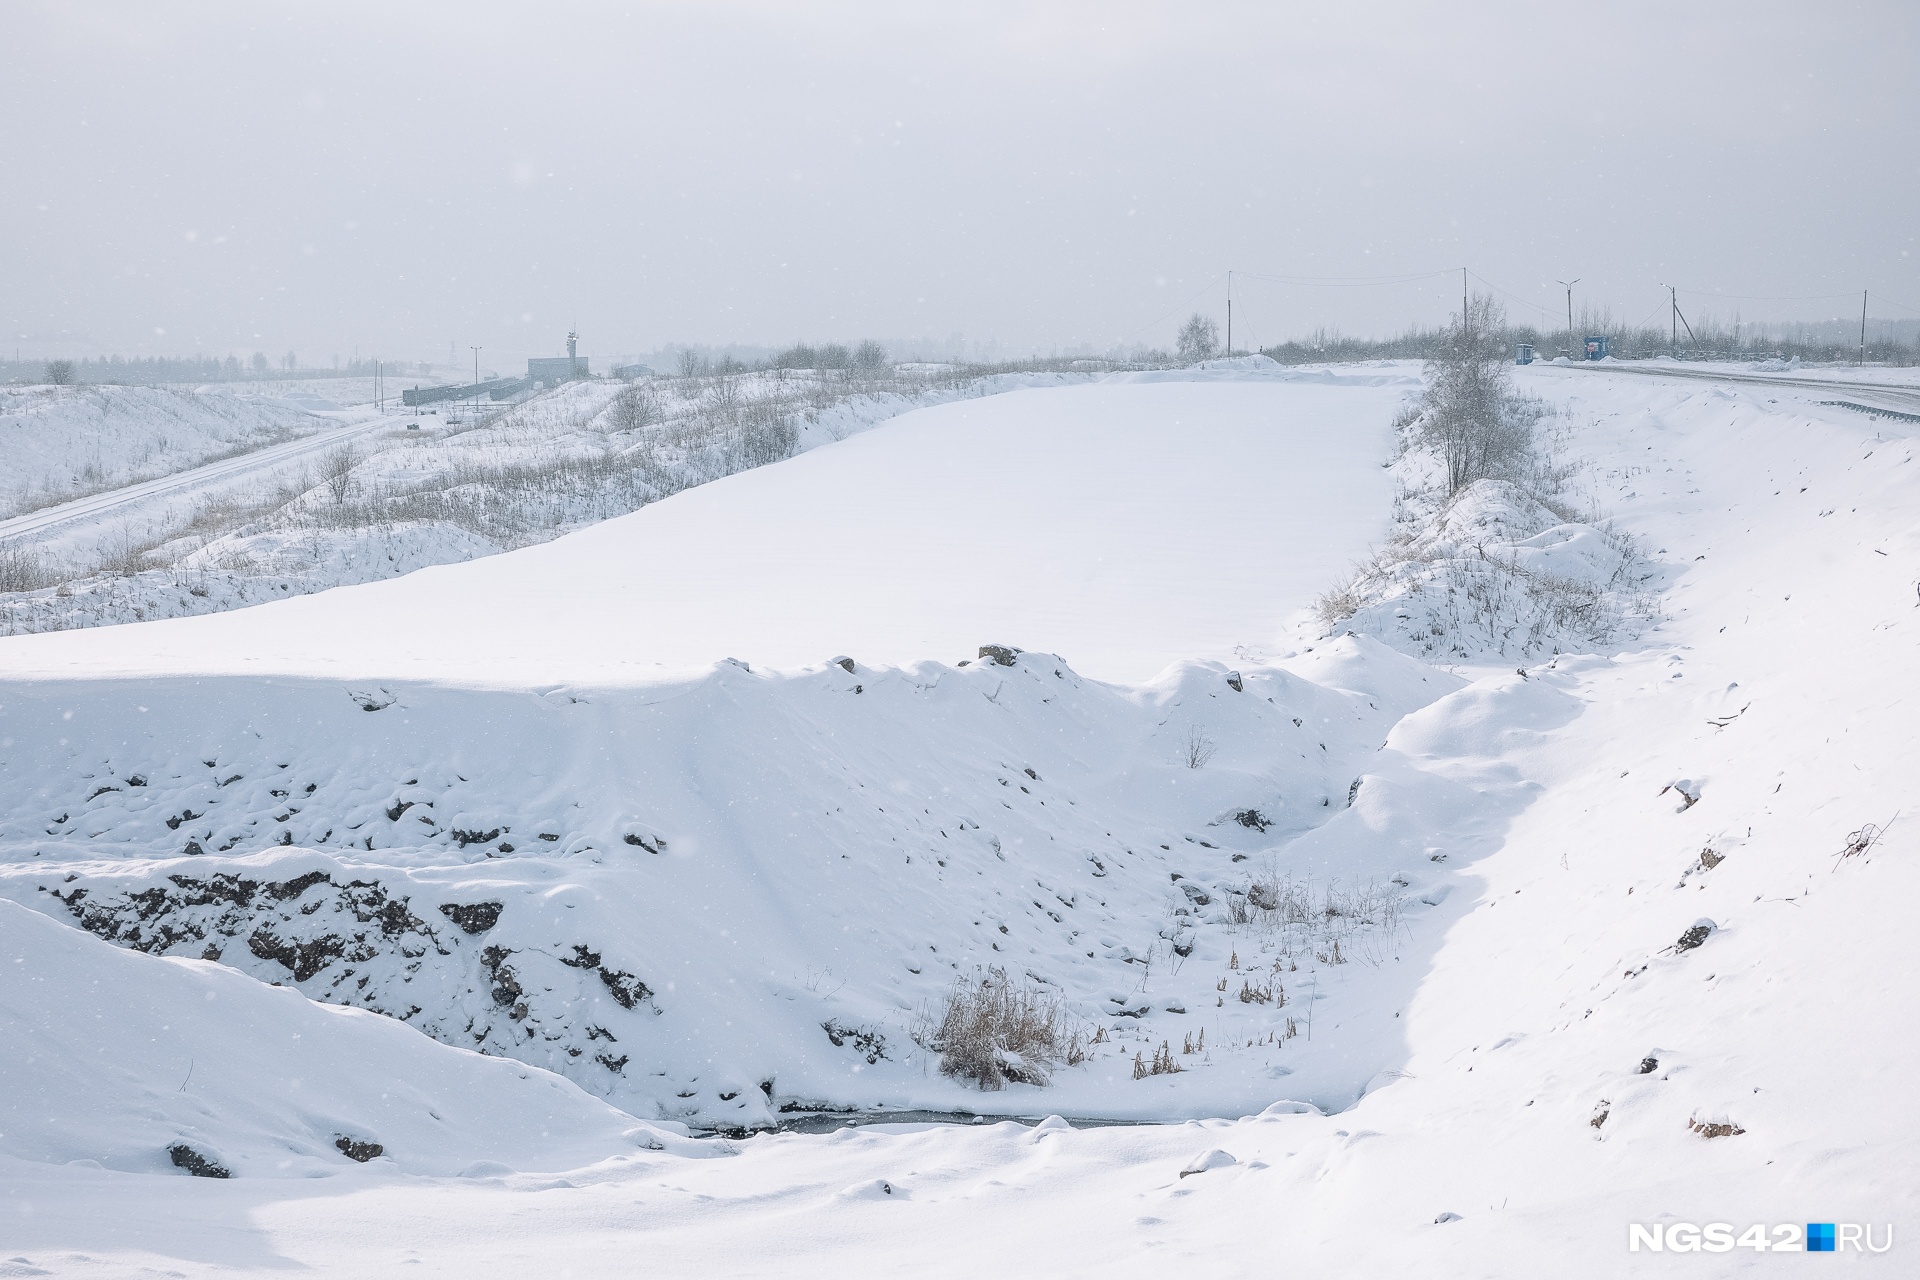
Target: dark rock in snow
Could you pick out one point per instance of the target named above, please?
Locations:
(303, 958)
(864, 1039)
(843, 662)
(1000, 653)
(1649, 1065)
(1715, 1128)
(626, 988)
(360, 1151)
(185, 1157)
(1234, 682)
(1695, 936)
(474, 917)
(583, 958)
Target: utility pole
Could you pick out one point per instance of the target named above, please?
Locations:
(1464, 333)
(1863, 326)
(476, 381)
(1569, 284)
(1673, 322)
(1230, 311)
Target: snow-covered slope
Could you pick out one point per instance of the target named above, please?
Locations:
(58, 442)
(668, 894)
(1648, 962)
(116, 1060)
(1123, 526)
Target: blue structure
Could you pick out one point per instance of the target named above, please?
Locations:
(1523, 353)
(1597, 347)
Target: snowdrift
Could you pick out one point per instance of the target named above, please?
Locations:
(141, 1065)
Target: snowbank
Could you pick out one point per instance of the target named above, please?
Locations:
(117, 1060)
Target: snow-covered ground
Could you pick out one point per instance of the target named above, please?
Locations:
(1123, 525)
(1587, 912)
(57, 443)
(367, 495)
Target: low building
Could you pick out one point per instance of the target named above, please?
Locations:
(553, 370)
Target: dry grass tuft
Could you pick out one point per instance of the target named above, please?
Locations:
(993, 1032)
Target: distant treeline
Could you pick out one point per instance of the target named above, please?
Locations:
(143, 370)
(1894, 342)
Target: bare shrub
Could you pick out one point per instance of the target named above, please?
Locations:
(993, 1032)
(1858, 844)
(336, 473)
(633, 409)
(1333, 923)
(22, 569)
(60, 373)
(1162, 1064)
(1197, 749)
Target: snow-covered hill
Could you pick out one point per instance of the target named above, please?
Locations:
(1621, 933)
(59, 442)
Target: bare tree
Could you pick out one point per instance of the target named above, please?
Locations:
(1199, 338)
(869, 357)
(692, 363)
(1469, 415)
(60, 373)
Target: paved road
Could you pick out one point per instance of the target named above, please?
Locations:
(1904, 398)
(99, 504)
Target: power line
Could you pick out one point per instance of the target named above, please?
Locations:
(1545, 311)
(1890, 302)
(1344, 281)
(1212, 280)
(1768, 297)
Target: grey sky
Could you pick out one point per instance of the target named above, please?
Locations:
(396, 178)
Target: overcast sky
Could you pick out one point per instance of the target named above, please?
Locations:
(396, 179)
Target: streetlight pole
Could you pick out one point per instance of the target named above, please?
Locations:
(476, 382)
(1569, 284)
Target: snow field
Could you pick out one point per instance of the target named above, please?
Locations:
(1122, 525)
(1552, 824)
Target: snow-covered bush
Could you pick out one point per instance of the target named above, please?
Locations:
(1489, 559)
(1496, 572)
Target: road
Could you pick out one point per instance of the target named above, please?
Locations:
(1897, 397)
(97, 505)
